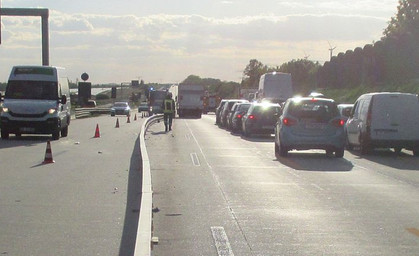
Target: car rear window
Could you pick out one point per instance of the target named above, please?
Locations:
(323, 110)
(266, 110)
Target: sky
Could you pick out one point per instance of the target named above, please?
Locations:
(165, 41)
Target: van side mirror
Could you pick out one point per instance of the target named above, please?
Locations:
(63, 99)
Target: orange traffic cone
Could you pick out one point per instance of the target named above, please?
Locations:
(128, 121)
(48, 154)
(117, 123)
(135, 117)
(97, 133)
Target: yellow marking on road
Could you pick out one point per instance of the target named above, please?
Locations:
(414, 231)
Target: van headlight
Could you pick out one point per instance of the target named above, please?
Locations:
(52, 111)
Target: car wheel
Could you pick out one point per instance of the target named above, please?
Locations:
(276, 150)
(4, 134)
(339, 153)
(283, 151)
(347, 144)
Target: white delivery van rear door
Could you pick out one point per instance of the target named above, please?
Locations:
(395, 116)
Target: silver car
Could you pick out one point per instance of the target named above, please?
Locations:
(310, 123)
(120, 108)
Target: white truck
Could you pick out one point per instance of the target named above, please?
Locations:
(188, 99)
(275, 87)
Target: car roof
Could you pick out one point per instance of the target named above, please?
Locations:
(311, 98)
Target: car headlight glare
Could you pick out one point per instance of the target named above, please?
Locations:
(52, 111)
(5, 110)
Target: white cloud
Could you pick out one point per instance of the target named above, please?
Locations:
(115, 48)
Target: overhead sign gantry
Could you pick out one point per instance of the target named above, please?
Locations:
(44, 14)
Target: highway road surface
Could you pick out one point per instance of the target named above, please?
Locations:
(216, 193)
(86, 203)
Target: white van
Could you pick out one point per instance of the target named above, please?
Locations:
(384, 120)
(36, 101)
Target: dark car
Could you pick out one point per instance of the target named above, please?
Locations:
(260, 118)
(310, 123)
(236, 115)
(227, 109)
(218, 111)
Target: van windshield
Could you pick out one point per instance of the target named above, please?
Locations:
(36, 90)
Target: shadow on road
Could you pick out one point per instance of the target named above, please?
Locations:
(318, 162)
(132, 210)
(24, 140)
(400, 161)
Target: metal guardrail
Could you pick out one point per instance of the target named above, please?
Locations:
(88, 112)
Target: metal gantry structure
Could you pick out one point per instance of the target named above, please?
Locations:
(40, 12)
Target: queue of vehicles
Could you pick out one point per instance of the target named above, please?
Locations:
(376, 120)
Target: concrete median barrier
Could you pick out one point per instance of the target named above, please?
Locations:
(143, 241)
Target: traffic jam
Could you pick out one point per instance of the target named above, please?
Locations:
(375, 120)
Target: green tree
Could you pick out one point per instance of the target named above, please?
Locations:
(406, 20)
(252, 73)
(304, 74)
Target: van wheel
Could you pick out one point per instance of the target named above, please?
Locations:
(64, 132)
(4, 134)
(56, 135)
(364, 147)
(339, 153)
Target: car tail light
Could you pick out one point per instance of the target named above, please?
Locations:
(338, 122)
(239, 116)
(252, 117)
(288, 121)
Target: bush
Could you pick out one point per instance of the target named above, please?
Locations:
(102, 96)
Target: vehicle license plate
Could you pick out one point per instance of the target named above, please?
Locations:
(27, 129)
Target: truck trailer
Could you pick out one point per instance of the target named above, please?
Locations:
(275, 87)
(188, 99)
